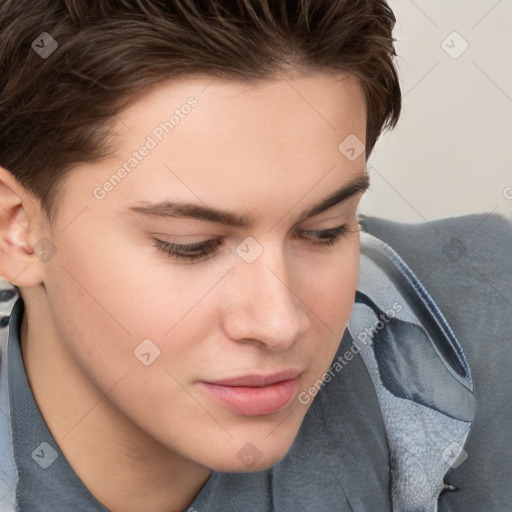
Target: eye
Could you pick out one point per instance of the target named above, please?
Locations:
(190, 252)
(327, 236)
(200, 251)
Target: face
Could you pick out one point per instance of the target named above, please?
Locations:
(195, 284)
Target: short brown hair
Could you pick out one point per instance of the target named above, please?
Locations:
(56, 112)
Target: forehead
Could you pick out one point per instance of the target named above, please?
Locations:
(291, 105)
(250, 144)
(241, 123)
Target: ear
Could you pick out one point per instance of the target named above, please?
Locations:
(19, 264)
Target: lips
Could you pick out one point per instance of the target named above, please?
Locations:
(254, 395)
(258, 380)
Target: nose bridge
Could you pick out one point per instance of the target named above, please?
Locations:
(264, 305)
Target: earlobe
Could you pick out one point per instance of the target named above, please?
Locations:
(18, 263)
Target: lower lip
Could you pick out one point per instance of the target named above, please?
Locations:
(254, 401)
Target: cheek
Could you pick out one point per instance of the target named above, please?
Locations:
(104, 279)
(109, 294)
(330, 295)
(330, 298)
(96, 310)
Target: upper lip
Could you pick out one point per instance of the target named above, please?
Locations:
(258, 380)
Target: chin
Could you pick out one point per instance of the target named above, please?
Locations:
(250, 462)
(252, 454)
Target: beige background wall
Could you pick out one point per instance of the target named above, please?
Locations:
(451, 152)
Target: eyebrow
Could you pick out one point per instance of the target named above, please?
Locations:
(169, 209)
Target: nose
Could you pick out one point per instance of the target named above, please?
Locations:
(263, 303)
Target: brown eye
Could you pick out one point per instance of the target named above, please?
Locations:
(326, 236)
(200, 251)
(190, 252)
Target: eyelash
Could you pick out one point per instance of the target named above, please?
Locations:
(331, 236)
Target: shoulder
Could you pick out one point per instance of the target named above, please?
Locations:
(467, 257)
(450, 240)
(479, 239)
(465, 264)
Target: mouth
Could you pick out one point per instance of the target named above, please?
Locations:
(255, 395)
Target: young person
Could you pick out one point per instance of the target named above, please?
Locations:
(195, 319)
